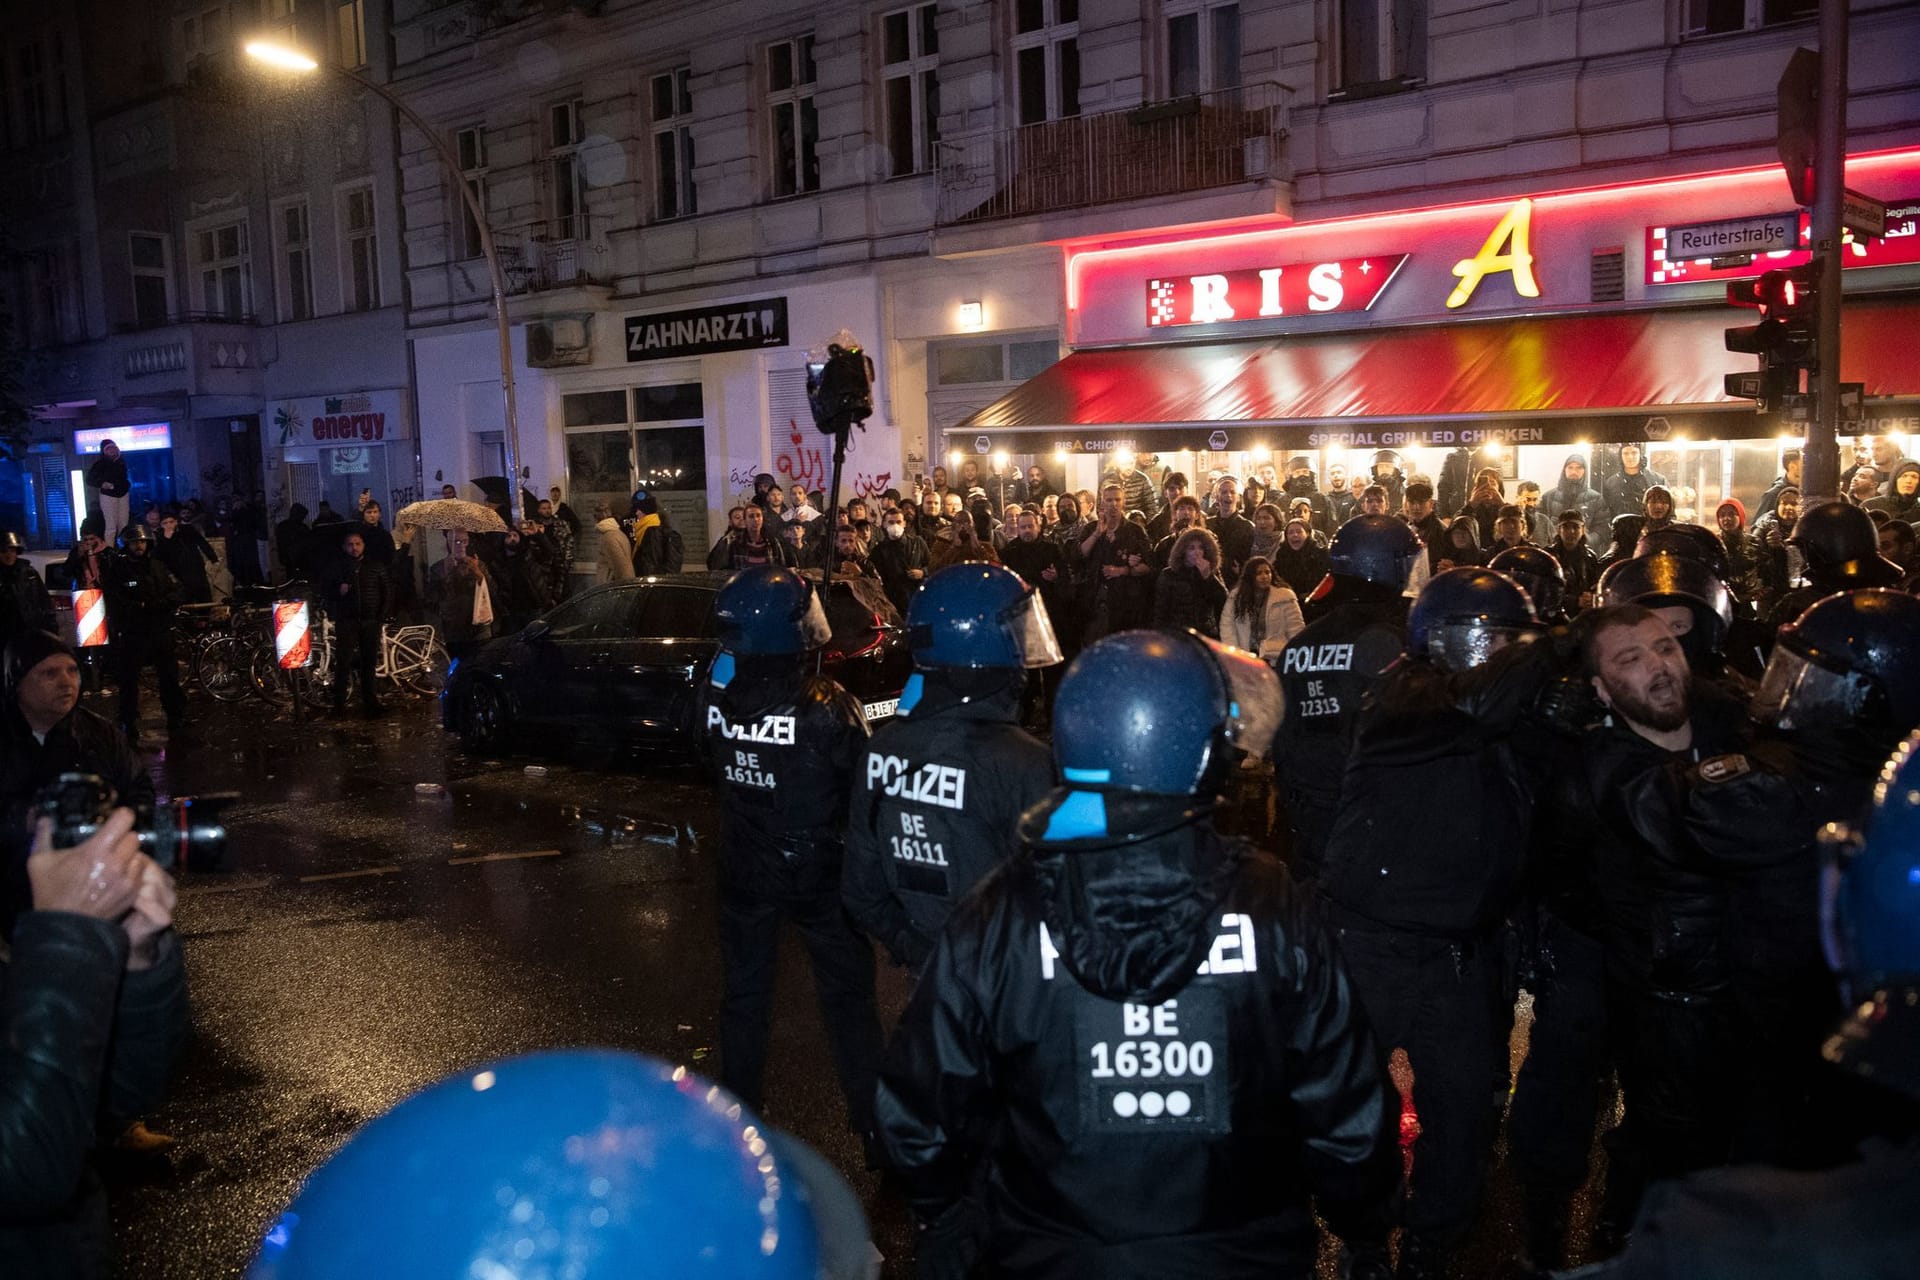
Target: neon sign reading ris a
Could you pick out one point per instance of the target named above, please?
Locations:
(1302, 288)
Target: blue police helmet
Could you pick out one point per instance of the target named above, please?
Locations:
(585, 1163)
(769, 610)
(1537, 572)
(1156, 711)
(980, 615)
(1464, 615)
(1851, 658)
(1377, 549)
(1870, 918)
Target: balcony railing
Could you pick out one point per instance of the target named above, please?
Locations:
(553, 253)
(1217, 139)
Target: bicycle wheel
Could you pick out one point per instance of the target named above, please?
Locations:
(268, 680)
(419, 667)
(224, 669)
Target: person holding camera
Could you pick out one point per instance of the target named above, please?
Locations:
(94, 1001)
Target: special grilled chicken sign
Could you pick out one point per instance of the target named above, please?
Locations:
(1300, 288)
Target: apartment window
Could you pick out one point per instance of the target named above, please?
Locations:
(276, 19)
(296, 261)
(1712, 17)
(350, 19)
(566, 181)
(1382, 41)
(204, 40)
(152, 279)
(1046, 59)
(362, 249)
(43, 91)
(224, 270)
(52, 312)
(791, 120)
(1203, 48)
(910, 86)
(673, 144)
(472, 147)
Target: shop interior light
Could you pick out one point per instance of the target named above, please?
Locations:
(1495, 449)
(1583, 446)
(1060, 455)
(1000, 460)
(1123, 457)
(1260, 453)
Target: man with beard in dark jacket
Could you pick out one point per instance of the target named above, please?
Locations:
(1627, 491)
(140, 597)
(942, 786)
(1902, 499)
(1327, 669)
(1423, 865)
(1300, 484)
(1632, 940)
(1573, 493)
(1233, 529)
(782, 744)
(358, 596)
(1134, 1040)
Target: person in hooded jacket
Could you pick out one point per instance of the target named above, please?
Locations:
(1743, 554)
(1626, 490)
(1188, 592)
(1573, 493)
(1327, 668)
(1462, 547)
(1301, 484)
(940, 790)
(1789, 478)
(657, 545)
(614, 555)
(1624, 533)
(1658, 501)
(782, 744)
(1299, 561)
(1902, 498)
(1418, 891)
(1134, 1038)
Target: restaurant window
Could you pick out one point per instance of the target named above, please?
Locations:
(472, 147)
(793, 125)
(1046, 59)
(1203, 47)
(224, 271)
(910, 87)
(362, 256)
(673, 144)
(1715, 17)
(294, 225)
(1382, 42)
(148, 262)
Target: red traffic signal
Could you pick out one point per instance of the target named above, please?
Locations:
(1784, 293)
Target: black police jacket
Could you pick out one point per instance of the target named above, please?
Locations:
(1325, 671)
(781, 743)
(1436, 800)
(1611, 859)
(24, 603)
(936, 799)
(141, 596)
(1155, 1050)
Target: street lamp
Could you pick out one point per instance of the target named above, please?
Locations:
(282, 58)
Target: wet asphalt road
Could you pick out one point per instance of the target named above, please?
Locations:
(370, 941)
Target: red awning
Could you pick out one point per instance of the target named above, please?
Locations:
(1630, 361)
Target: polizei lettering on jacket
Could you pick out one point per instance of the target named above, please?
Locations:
(777, 730)
(940, 784)
(1298, 660)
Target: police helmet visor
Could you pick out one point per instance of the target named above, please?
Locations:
(1798, 693)
(1254, 699)
(1462, 646)
(1032, 630)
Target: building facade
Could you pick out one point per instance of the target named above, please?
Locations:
(687, 197)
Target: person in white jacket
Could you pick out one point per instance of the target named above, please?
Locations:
(1260, 615)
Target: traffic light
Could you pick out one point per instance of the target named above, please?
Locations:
(1784, 339)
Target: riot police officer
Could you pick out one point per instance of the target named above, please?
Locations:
(1423, 864)
(1686, 593)
(1540, 575)
(1327, 668)
(24, 603)
(141, 596)
(1842, 551)
(782, 743)
(941, 788)
(1137, 1025)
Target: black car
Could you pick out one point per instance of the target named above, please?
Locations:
(622, 664)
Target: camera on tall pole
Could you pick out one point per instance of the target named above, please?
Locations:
(840, 393)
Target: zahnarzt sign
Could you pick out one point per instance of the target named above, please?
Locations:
(702, 331)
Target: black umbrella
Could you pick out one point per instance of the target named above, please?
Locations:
(495, 487)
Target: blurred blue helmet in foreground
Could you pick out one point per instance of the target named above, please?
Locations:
(577, 1163)
(767, 611)
(1870, 918)
(980, 616)
(1464, 616)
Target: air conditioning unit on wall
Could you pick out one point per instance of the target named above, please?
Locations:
(559, 341)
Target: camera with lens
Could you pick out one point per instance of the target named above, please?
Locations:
(840, 388)
(182, 834)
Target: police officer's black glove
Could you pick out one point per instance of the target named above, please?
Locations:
(948, 1247)
(1568, 704)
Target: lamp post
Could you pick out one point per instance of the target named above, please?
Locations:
(284, 59)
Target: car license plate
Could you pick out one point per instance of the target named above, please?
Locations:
(881, 710)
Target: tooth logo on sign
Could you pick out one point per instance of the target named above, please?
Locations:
(1217, 441)
(982, 445)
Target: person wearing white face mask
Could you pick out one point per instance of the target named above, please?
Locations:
(900, 558)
